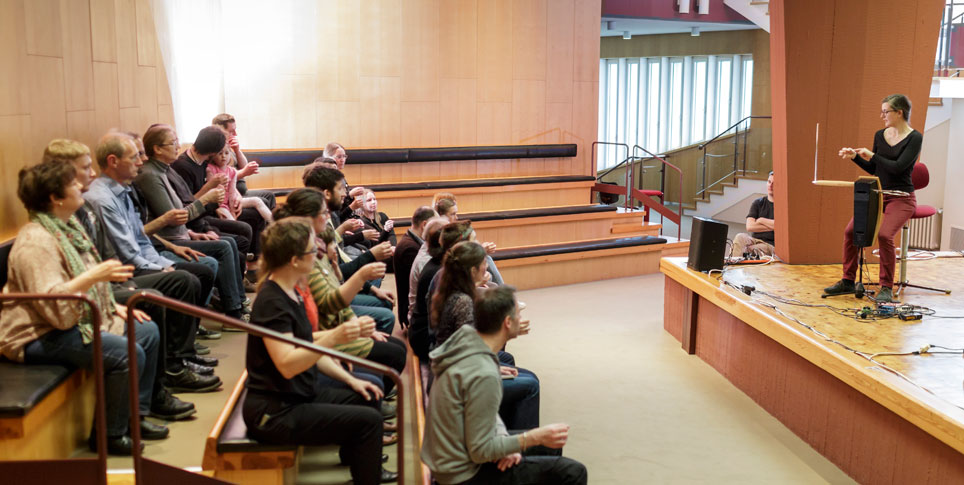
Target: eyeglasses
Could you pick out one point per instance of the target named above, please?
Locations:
(173, 142)
(313, 250)
(885, 111)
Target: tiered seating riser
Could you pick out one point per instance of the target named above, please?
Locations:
(384, 173)
(582, 267)
(403, 203)
(529, 231)
(56, 427)
(284, 476)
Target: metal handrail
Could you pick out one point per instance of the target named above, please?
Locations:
(736, 154)
(100, 406)
(251, 329)
(593, 159)
(662, 178)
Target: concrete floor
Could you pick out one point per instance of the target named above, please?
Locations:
(641, 410)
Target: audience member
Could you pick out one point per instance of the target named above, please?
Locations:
(445, 205)
(463, 272)
(175, 328)
(429, 236)
(233, 202)
(284, 404)
(110, 197)
(378, 221)
(465, 440)
(244, 166)
(759, 225)
(155, 184)
(448, 209)
(404, 256)
(53, 254)
(372, 300)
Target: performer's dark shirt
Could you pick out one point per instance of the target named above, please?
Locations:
(893, 165)
(762, 207)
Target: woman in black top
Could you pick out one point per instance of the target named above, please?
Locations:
(372, 219)
(283, 404)
(896, 149)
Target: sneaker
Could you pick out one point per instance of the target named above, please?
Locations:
(885, 295)
(227, 328)
(205, 361)
(201, 370)
(170, 408)
(388, 410)
(205, 334)
(151, 431)
(841, 287)
(188, 381)
(201, 349)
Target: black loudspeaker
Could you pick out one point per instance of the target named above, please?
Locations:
(866, 210)
(707, 244)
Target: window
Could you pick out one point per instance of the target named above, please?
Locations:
(698, 128)
(723, 69)
(675, 103)
(662, 104)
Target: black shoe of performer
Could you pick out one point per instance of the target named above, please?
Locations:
(841, 287)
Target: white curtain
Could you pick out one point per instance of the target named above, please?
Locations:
(193, 47)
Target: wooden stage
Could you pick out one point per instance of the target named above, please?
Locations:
(874, 424)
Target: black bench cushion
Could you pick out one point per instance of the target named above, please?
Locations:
(522, 213)
(234, 437)
(294, 158)
(23, 386)
(459, 184)
(576, 247)
(4, 258)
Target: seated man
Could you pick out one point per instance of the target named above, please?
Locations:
(404, 256)
(759, 223)
(110, 197)
(465, 440)
(372, 301)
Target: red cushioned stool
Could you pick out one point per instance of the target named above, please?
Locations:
(921, 177)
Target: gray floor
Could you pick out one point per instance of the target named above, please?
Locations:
(641, 410)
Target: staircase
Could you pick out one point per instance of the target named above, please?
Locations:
(756, 11)
(729, 202)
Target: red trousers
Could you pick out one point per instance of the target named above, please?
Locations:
(897, 211)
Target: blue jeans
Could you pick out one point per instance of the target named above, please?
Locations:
(65, 347)
(380, 310)
(520, 397)
(228, 274)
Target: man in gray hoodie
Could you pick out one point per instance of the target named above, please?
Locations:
(465, 440)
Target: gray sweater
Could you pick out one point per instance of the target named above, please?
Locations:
(463, 429)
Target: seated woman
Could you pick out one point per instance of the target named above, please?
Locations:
(447, 206)
(284, 402)
(333, 297)
(53, 254)
(463, 271)
(372, 219)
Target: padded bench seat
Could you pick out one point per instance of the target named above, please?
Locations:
(234, 437)
(523, 213)
(575, 247)
(23, 386)
(298, 157)
(441, 185)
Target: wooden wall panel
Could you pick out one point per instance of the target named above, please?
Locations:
(458, 39)
(495, 51)
(67, 67)
(529, 30)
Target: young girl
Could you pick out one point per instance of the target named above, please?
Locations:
(233, 202)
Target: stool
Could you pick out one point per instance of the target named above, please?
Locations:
(921, 178)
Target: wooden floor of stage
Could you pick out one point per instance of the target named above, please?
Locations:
(939, 373)
(932, 395)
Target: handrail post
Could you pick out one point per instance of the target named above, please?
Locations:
(736, 151)
(746, 137)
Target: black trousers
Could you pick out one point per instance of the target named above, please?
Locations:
(238, 230)
(539, 465)
(177, 329)
(336, 416)
(251, 217)
(393, 354)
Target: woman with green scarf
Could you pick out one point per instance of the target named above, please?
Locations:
(53, 254)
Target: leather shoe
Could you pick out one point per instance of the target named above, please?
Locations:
(188, 381)
(151, 431)
(170, 408)
(384, 457)
(201, 370)
(205, 361)
(201, 349)
(388, 410)
(841, 287)
(119, 446)
(388, 476)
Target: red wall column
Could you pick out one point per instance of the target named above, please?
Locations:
(831, 62)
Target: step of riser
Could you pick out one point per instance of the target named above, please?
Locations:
(404, 203)
(389, 173)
